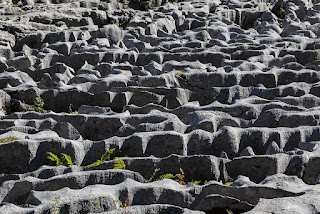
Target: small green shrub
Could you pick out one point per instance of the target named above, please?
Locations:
(177, 177)
(281, 13)
(228, 183)
(99, 208)
(196, 182)
(165, 176)
(63, 160)
(118, 163)
(105, 157)
(7, 140)
(38, 105)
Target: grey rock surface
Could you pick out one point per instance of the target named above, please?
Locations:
(220, 96)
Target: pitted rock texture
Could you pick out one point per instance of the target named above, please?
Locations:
(223, 95)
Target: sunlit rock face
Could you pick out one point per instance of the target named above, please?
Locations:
(157, 106)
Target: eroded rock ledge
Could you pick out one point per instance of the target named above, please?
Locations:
(223, 95)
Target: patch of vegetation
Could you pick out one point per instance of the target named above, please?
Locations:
(7, 140)
(177, 177)
(281, 13)
(97, 205)
(5, 108)
(63, 160)
(154, 3)
(56, 206)
(105, 157)
(127, 201)
(126, 4)
(179, 73)
(199, 182)
(229, 211)
(165, 176)
(153, 174)
(118, 163)
(228, 183)
(38, 105)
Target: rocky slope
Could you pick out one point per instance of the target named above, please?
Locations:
(222, 94)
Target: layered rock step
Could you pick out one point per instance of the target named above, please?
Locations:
(159, 106)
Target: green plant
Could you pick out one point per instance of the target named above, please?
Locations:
(5, 108)
(165, 176)
(38, 105)
(180, 178)
(199, 182)
(228, 183)
(118, 202)
(97, 205)
(63, 160)
(7, 140)
(127, 201)
(196, 182)
(126, 4)
(104, 157)
(118, 163)
(177, 177)
(56, 206)
(74, 112)
(281, 13)
(154, 3)
(229, 211)
(179, 73)
(153, 174)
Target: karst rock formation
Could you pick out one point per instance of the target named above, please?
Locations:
(157, 106)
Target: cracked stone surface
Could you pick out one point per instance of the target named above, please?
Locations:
(222, 94)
